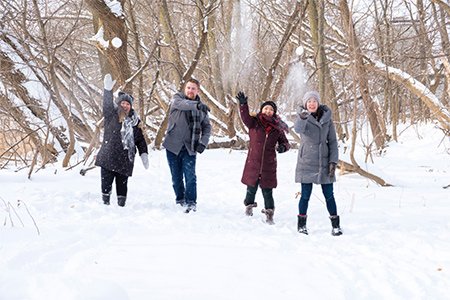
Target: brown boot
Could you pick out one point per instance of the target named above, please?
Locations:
(249, 208)
(269, 215)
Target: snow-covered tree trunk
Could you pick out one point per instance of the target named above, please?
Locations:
(440, 112)
(356, 56)
(111, 40)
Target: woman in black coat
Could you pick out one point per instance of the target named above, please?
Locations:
(121, 137)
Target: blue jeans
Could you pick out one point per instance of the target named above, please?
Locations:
(327, 190)
(181, 165)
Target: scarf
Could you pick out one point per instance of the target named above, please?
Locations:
(272, 123)
(127, 134)
(194, 123)
(318, 114)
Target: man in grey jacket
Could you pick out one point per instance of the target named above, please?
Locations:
(188, 133)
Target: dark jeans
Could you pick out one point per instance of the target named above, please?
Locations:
(327, 190)
(267, 194)
(181, 165)
(107, 181)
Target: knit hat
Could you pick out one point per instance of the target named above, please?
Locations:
(310, 95)
(271, 103)
(125, 97)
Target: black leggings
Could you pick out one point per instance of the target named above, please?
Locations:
(107, 181)
(267, 194)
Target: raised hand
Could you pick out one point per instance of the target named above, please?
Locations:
(241, 98)
(108, 83)
(304, 114)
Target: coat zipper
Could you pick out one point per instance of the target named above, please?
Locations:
(262, 158)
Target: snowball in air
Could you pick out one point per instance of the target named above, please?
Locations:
(116, 42)
(299, 51)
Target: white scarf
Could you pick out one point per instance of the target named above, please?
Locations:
(127, 134)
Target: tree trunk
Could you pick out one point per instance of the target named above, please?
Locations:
(54, 92)
(171, 39)
(115, 59)
(357, 59)
(293, 21)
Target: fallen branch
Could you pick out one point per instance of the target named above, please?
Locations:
(350, 167)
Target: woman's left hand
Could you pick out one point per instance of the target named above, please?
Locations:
(332, 170)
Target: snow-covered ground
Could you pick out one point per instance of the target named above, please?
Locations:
(396, 240)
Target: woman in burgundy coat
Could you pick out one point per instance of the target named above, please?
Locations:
(266, 131)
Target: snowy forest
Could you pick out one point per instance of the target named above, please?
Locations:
(376, 64)
(381, 66)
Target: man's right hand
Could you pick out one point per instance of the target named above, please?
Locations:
(203, 107)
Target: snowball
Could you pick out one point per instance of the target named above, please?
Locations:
(116, 42)
(299, 51)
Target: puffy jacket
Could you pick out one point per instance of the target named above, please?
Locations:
(112, 156)
(318, 147)
(261, 159)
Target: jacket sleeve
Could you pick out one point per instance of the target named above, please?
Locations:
(139, 140)
(248, 120)
(332, 144)
(206, 130)
(180, 102)
(282, 140)
(299, 123)
(108, 103)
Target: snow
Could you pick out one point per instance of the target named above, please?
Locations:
(99, 38)
(116, 8)
(395, 244)
(299, 51)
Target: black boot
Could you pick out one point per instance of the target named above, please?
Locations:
(121, 200)
(336, 231)
(190, 207)
(269, 215)
(105, 198)
(301, 225)
(249, 208)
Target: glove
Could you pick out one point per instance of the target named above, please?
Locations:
(304, 114)
(201, 148)
(281, 148)
(203, 107)
(144, 158)
(241, 97)
(332, 169)
(108, 83)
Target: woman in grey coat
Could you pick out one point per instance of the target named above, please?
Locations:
(317, 157)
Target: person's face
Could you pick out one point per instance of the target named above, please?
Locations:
(312, 105)
(191, 90)
(126, 106)
(267, 110)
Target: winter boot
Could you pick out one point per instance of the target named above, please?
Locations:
(105, 198)
(336, 231)
(121, 200)
(249, 208)
(181, 202)
(301, 224)
(269, 215)
(191, 207)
